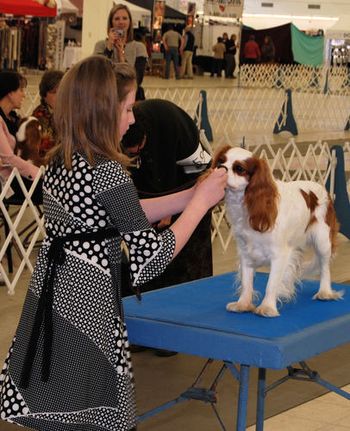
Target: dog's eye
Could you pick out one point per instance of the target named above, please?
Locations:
(238, 169)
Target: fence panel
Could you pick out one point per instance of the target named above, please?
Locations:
(16, 220)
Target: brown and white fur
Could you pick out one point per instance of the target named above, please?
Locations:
(273, 223)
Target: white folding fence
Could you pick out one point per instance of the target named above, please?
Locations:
(300, 78)
(17, 218)
(320, 98)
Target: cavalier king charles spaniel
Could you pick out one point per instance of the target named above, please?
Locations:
(273, 223)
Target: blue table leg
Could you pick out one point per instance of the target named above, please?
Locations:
(242, 397)
(260, 404)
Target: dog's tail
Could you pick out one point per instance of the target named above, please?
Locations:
(310, 267)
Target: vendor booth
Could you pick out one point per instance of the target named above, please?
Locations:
(33, 34)
(24, 32)
(337, 49)
(291, 44)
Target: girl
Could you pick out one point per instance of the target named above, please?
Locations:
(69, 366)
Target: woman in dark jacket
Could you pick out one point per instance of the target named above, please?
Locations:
(169, 157)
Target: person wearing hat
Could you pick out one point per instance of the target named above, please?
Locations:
(44, 112)
(168, 157)
(164, 141)
(12, 93)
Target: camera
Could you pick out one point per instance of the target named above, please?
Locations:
(119, 32)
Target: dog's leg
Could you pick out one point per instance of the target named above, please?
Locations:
(323, 251)
(245, 301)
(279, 264)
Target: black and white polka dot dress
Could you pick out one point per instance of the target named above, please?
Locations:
(90, 387)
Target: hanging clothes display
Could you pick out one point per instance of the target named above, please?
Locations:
(10, 47)
(23, 39)
(55, 44)
(31, 43)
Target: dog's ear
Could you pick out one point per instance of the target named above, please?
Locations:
(220, 156)
(261, 195)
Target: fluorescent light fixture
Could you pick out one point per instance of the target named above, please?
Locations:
(270, 15)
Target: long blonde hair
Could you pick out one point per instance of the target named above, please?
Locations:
(115, 8)
(87, 112)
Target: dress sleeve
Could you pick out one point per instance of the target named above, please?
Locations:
(149, 252)
(101, 49)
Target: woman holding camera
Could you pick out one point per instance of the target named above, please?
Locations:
(120, 45)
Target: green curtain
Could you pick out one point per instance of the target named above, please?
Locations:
(307, 49)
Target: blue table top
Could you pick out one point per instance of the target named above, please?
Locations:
(192, 318)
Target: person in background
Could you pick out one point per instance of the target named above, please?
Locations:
(268, 51)
(251, 51)
(44, 112)
(219, 50)
(120, 45)
(120, 34)
(12, 94)
(171, 41)
(140, 65)
(69, 365)
(230, 60)
(186, 51)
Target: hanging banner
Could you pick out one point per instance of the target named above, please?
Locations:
(191, 12)
(158, 14)
(224, 8)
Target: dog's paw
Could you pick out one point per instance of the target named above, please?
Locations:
(329, 295)
(267, 311)
(240, 307)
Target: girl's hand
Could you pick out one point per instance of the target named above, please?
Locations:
(211, 190)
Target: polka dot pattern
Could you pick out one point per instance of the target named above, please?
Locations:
(87, 304)
(11, 400)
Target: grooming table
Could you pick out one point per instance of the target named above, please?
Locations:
(191, 318)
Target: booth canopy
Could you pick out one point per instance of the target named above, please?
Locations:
(26, 7)
(66, 7)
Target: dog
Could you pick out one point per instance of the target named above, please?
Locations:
(29, 141)
(273, 223)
